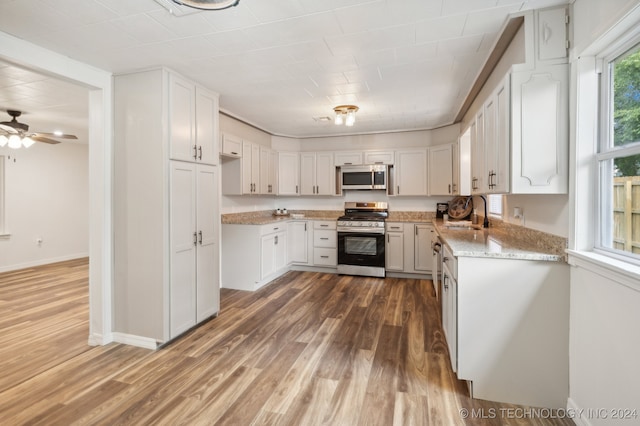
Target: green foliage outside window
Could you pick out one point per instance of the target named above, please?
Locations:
(626, 110)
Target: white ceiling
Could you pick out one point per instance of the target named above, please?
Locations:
(278, 64)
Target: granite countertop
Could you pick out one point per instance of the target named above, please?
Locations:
(413, 217)
(266, 217)
(502, 243)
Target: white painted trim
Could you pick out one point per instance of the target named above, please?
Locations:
(578, 414)
(139, 341)
(617, 271)
(41, 262)
(99, 83)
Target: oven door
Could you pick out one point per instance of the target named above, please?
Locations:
(361, 253)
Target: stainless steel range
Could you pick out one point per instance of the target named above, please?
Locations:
(361, 239)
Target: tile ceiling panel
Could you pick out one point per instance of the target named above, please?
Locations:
(281, 64)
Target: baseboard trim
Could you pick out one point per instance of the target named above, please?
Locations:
(133, 340)
(97, 339)
(41, 262)
(578, 415)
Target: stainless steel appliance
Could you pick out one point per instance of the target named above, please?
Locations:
(373, 176)
(361, 239)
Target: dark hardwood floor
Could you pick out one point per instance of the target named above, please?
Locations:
(309, 348)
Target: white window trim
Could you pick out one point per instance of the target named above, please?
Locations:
(584, 185)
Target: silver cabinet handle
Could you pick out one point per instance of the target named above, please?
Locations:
(416, 227)
(449, 188)
(347, 164)
(296, 189)
(324, 257)
(444, 282)
(234, 153)
(195, 152)
(445, 259)
(398, 189)
(200, 237)
(324, 226)
(195, 238)
(275, 229)
(200, 152)
(276, 240)
(305, 227)
(395, 227)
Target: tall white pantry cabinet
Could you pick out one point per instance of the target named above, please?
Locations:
(166, 216)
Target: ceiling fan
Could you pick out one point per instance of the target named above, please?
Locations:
(17, 134)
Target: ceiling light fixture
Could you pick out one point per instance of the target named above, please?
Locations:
(345, 114)
(208, 4)
(15, 141)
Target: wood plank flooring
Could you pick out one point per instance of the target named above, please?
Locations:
(309, 348)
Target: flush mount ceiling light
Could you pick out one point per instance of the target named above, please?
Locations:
(208, 4)
(345, 114)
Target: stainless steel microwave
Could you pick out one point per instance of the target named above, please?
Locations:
(372, 176)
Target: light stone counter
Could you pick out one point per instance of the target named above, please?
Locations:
(411, 217)
(266, 217)
(504, 242)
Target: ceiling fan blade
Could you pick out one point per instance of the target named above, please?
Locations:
(53, 135)
(8, 129)
(43, 139)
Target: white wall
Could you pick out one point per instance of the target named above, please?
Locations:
(235, 204)
(46, 196)
(604, 343)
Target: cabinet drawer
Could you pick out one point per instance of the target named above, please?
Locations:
(324, 224)
(274, 227)
(324, 238)
(394, 226)
(325, 257)
(231, 146)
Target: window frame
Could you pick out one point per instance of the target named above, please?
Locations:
(490, 211)
(606, 151)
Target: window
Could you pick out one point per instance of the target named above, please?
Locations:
(495, 204)
(618, 156)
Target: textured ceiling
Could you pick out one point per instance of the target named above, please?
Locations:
(281, 64)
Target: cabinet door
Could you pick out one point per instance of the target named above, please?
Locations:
(207, 126)
(265, 170)
(379, 157)
(255, 168)
(462, 163)
(207, 262)
(449, 315)
(273, 172)
(497, 125)
(394, 251)
(298, 242)
(348, 158)
(539, 128)
(411, 172)
(477, 154)
(247, 181)
(288, 173)
(280, 251)
(325, 174)
(551, 34)
(422, 247)
(231, 145)
(441, 170)
(183, 239)
(307, 173)
(182, 144)
(267, 255)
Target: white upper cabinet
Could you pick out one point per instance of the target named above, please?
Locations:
(379, 157)
(441, 170)
(496, 134)
(231, 146)
(317, 173)
(539, 131)
(193, 124)
(250, 168)
(411, 172)
(348, 158)
(268, 173)
(477, 154)
(288, 173)
(551, 34)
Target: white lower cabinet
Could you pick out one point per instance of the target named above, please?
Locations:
(298, 240)
(253, 255)
(325, 243)
(394, 247)
(408, 247)
(506, 322)
(194, 294)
